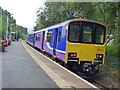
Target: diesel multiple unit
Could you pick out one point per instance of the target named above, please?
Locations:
(78, 43)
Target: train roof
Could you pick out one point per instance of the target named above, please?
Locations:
(54, 26)
(62, 24)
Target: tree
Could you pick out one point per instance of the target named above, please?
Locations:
(11, 24)
(21, 31)
(104, 12)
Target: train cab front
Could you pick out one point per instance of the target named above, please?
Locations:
(85, 46)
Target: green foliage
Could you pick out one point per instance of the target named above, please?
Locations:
(112, 61)
(3, 15)
(111, 66)
(23, 36)
(12, 27)
(0, 21)
(22, 31)
(56, 12)
(112, 51)
(104, 12)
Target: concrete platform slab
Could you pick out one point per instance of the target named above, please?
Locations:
(19, 70)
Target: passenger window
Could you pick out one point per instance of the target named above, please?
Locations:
(49, 35)
(59, 36)
(38, 37)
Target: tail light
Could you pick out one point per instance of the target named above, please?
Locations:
(72, 54)
(99, 55)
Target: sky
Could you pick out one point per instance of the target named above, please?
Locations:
(24, 11)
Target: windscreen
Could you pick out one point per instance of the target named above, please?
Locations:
(86, 32)
(74, 32)
(100, 34)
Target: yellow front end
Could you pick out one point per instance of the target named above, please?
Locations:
(85, 52)
(85, 46)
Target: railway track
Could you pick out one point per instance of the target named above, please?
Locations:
(100, 85)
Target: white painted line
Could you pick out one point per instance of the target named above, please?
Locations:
(66, 69)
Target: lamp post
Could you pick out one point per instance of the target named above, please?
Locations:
(11, 31)
(7, 25)
(1, 21)
(7, 29)
(16, 35)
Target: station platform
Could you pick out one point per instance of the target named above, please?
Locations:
(25, 67)
(19, 70)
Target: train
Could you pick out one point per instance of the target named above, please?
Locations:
(79, 44)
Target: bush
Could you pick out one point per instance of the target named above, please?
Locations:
(112, 61)
(23, 36)
(112, 51)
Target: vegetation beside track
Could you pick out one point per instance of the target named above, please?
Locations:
(112, 62)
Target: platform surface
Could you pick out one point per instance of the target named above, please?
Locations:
(19, 70)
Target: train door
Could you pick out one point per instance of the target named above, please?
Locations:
(43, 40)
(34, 39)
(55, 41)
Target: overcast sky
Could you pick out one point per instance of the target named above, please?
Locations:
(24, 11)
